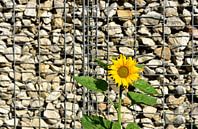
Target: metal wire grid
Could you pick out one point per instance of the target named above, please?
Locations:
(87, 63)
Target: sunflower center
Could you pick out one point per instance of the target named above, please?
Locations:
(123, 71)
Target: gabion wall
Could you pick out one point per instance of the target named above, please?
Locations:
(44, 43)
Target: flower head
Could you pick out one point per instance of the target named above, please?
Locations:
(124, 71)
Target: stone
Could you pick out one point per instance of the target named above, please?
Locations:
(126, 51)
(128, 5)
(26, 76)
(9, 53)
(37, 103)
(194, 112)
(45, 43)
(169, 116)
(180, 90)
(175, 23)
(4, 109)
(39, 123)
(3, 60)
(102, 106)
(179, 40)
(146, 57)
(99, 97)
(52, 116)
(171, 11)
(12, 121)
(57, 22)
(164, 53)
(144, 30)
(113, 29)
(149, 111)
(179, 119)
(102, 4)
(46, 17)
(193, 31)
(187, 16)
(53, 96)
(149, 71)
(5, 81)
(151, 18)
(148, 42)
(78, 35)
(72, 107)
(129, 28)
(154, 63)
(30, 9)
(147, 122)
(111, 10)
(173, 70)
(126, 101)
(124, 15)
(174, 102)
(21, 38)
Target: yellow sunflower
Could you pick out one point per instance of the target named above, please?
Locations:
(124, 71)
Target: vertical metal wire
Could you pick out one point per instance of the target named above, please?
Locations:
(74, 54)
(192, 56)
(87, 46)
(84, 49)
(107, 40)
(163, 64)
(38, 7)
(14, 62)
(65, 65)
(96, 37)
(135, 41)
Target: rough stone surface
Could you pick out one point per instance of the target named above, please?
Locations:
(43, 45)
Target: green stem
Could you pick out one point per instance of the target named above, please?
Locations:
(119, 106)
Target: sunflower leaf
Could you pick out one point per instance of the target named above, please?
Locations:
(142, 98)
(102, 64)
(116, 125)
(91, 83)
(132, 126)
(95, 122)
(145, 87)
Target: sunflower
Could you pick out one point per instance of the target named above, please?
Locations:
(124, 71)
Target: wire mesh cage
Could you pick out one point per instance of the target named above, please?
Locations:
(45, 43)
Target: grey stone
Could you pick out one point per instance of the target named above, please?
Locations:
(111, 10)
(154, 63)
(151, 18)
(180, 90)
(9, 53)
(129, 28)
(175, 23)
(179, 40)
(179, 119)
(5, 81)
(126, 51)
(148, 42)
(149, 111)
(30, 9)
(52, 116)
(53, 96)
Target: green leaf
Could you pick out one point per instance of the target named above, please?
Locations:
(145, 87)
(91, 83)
(95, 122)
(140, 66)
(116, 125)
(132, 126)
(142, 98)
(102, 64)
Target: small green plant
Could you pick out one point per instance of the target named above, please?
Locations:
(125, 72)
